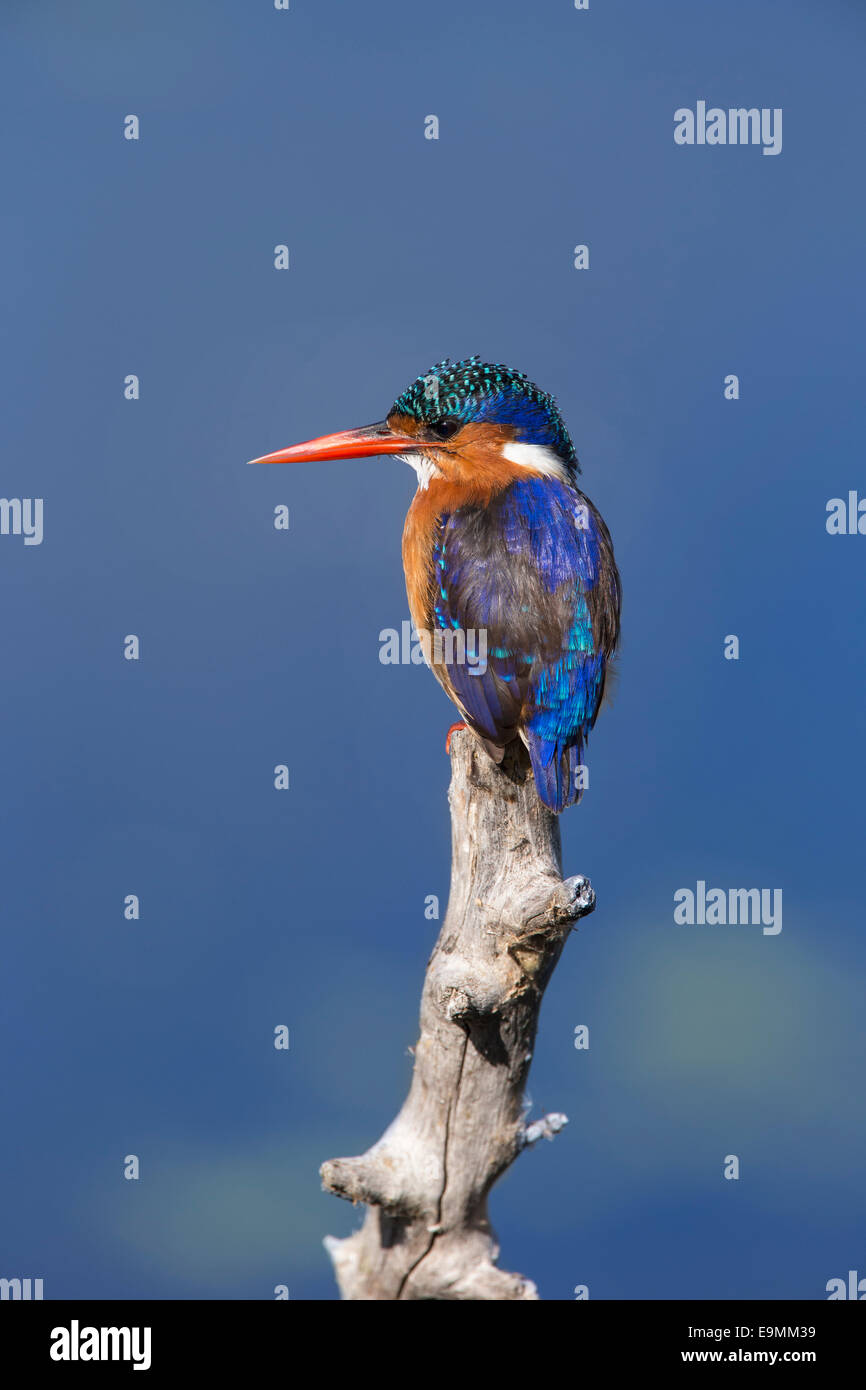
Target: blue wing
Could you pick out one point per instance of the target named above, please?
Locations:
(534, 573)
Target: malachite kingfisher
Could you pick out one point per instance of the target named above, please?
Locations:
(500, 540)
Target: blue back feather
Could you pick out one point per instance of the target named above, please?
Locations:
(535, 570)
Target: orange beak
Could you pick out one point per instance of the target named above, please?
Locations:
(350, 444)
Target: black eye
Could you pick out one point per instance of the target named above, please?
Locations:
(445, 428)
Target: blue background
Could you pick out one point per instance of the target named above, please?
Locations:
(261, 647)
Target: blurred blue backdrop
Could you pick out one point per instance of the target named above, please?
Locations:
(261, 647)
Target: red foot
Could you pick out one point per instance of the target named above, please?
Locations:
(452, 730)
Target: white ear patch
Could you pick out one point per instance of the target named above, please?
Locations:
(424, 467)
(536, 457)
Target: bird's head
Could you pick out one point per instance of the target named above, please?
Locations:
(475, 424)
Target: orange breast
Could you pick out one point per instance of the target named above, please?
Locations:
(418, 537)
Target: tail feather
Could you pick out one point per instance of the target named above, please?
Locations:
(556, 772)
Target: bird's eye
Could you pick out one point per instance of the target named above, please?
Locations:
(444, 429)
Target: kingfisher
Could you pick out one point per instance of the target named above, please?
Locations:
(500, 541)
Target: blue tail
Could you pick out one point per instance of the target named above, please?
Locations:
(555, 768)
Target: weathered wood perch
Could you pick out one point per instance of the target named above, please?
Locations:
(427, 1234)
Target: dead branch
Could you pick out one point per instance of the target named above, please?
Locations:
(425, 1183)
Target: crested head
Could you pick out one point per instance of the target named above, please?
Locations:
(473, 427)
(456, 401)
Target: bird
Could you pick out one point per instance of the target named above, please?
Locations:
(500, 541)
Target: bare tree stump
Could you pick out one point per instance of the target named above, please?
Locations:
(427, 1234)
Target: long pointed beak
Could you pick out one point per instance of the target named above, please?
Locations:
(350, 444)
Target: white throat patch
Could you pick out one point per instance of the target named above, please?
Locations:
(536, 457)
(424, 467)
